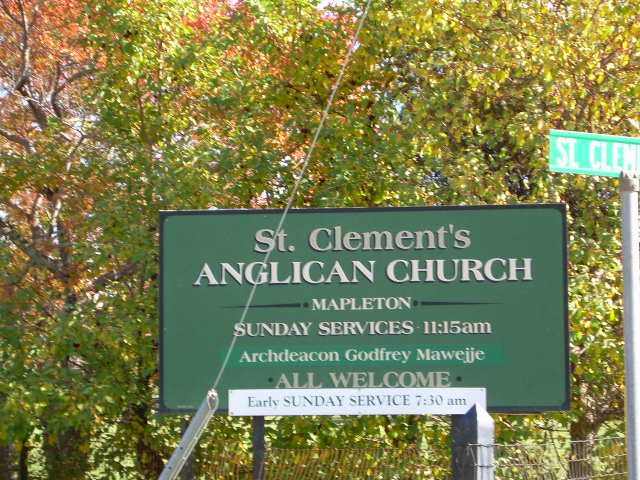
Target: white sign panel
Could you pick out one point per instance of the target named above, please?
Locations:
(355, 401)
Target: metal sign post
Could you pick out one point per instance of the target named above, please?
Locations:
(259, 448)
(473, 438)
(631, 270)
(611, 155)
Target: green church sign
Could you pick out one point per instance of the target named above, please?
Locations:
(431, 297)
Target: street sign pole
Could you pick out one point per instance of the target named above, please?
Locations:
(629, 187)
(612, 156)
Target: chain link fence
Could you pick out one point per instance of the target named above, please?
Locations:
(602, 458)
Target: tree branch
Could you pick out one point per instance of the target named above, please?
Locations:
(24, 77)
(38, 112)
(115, 275)
(57, 90)
(22, 141)
(25, 73)
(36, 257)
(5, 9)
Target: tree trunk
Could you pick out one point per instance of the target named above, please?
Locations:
(14, 465)
(582, 438)
(7, 466)
(23, 464)
(150, 461)
(66, 453)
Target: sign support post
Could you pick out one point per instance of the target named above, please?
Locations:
(473, 443)
(629, 187)
(259, 449)
(189, 468)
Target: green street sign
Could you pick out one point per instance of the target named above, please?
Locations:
(593, 154)
(429, 297)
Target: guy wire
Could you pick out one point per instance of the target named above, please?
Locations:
(353, 45)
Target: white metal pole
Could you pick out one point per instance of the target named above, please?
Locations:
(631, 270)
(190, 438)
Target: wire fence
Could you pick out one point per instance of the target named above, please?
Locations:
(369, 463)
(603, 458)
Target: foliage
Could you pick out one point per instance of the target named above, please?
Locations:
(111, 111)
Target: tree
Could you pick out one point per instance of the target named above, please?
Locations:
(112, 111)
(42, 132)
(478, 87)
